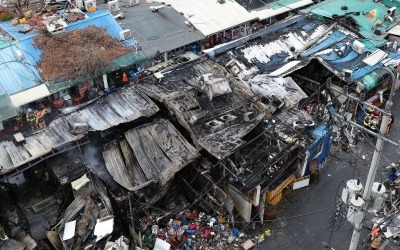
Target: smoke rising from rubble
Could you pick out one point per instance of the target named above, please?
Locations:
(90, 156)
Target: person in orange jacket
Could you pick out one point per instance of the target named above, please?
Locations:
(125, 79)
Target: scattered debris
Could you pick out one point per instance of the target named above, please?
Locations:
(79, 53)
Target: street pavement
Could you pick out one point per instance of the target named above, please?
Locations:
(305, 215)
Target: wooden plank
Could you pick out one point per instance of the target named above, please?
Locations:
(274, 196)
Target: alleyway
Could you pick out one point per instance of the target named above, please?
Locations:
(306, 212)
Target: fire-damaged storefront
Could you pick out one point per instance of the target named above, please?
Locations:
(188, 157)
(193, 152)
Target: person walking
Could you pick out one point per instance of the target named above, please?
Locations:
(30, 118)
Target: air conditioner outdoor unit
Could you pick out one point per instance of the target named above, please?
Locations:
(79, 4)
(125, 34)
(90, 3)
(221, 1)
(113, 5)
(134, 2)
(79, 128)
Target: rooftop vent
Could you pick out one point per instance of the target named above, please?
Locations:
(159, 76)
(392, 11)
(134, 2)
(156, 8)
(124, 35)
(197, 117)
(221, 1)
(78, 128)
(214, 125)
(228, 119)
(249, 116)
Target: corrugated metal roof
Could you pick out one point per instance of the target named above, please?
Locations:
(18, 75)
(365, 22)
(160, 31)
(284, 88)
(211, 17)
(273, 53)
(101, 18)
(124, 105)
(218, 125)
(157, 151)
(264, 9)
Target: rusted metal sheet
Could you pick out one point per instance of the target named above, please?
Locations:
(17, 154)
(124, 105)
(106, 112)
(217, 125)
(116, 166)
(60, 127)
(5, 158)
(120, 107)
(95, 121)
(145, 163)
(44, 139)
(138, 101)
(134, 170)
(34, 147)
(55, 138)
(72, 210)
(150, 153)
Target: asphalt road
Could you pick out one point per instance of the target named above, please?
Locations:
(304, 215)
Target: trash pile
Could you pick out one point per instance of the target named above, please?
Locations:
(80, 52)
(192, 230)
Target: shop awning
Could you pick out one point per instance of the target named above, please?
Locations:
(7, 109)
(129, 59)
(29, 95)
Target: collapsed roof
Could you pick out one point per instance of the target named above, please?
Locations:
(291, 45)
(213, 106)
(124, 105)
(152, 153)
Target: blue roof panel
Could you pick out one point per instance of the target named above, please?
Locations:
(101, 18)
(17, 76)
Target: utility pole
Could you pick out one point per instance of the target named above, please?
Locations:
(375, 160)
